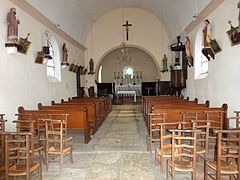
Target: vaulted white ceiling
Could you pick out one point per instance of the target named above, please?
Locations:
(75, 16)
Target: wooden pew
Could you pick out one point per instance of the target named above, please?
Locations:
(76, 103)
(105, 101)
(105, 104)
(152, 104)
(164, 99)
(91, 107)
(76, 119)
(175, 112)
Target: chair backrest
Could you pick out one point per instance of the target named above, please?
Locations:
(237, 118)
(17, 151)
(55, 132)
(64, 118)
(2, 124)
(156, 118)
(184, 146)
(189, 116)
(2, 130)
(166, 138)
(228, 149)
(27, 126)
(203, 135)
(217, 118)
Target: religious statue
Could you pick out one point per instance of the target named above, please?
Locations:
(65, 55)
(188, 52)
(207, 31)
(12, 22)
(164, 63)
(65, 52)
(91, 66)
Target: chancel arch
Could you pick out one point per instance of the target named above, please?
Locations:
(113, 63)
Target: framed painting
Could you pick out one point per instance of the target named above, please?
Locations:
(234, 35)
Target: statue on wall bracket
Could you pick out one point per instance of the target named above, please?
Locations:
(189, 52)
(24, 44)
(12, 31)
(91, 66)
(64, 62)
(210, 45)
(164, 64)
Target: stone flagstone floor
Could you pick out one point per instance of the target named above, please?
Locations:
(118, 151)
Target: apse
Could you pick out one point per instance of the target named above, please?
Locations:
(115, 64)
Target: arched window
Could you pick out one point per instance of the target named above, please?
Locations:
(128, 72)
(100, 75)
(54, 64)
(201, 62)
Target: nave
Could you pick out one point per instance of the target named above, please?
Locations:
(118, 151)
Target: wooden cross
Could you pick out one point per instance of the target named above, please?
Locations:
(127, 28)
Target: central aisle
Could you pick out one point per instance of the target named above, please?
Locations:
(117, 151)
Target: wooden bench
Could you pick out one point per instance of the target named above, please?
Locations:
(106, 103)
(101, 113)
(175, 112)
(172, 104)
(76, 119)
(91, 108)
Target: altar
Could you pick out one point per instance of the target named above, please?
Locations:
(126, 91)
(131, 93)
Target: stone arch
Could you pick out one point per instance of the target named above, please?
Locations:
(130, 46)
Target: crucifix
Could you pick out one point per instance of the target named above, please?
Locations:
(127, 28)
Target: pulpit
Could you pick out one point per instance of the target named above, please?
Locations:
(178, 81)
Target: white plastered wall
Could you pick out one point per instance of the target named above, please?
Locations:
(146, 32)
(222, 85)
(23, 82)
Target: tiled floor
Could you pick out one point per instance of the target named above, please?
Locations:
(117, 151)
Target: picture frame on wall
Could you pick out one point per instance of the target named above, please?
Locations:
(215, 47)
(234, 35)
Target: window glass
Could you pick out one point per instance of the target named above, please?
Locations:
(54, 64)
(201, 62)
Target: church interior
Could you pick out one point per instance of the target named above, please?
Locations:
(120, 89)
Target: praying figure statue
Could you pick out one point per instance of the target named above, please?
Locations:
(239, 14)
(188, 52)
(65, 53)
(164, 62)
(12, 22)
(207, 33)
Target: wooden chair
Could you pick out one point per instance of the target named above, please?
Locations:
(2, 160)
(165, 148)
(36, 149)
(237, 118)
(18, 160)
(189, 116)
(228, 156)
(154, 128)
(202, 136)
(216, 118)
(183, 159)
(57, 141)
